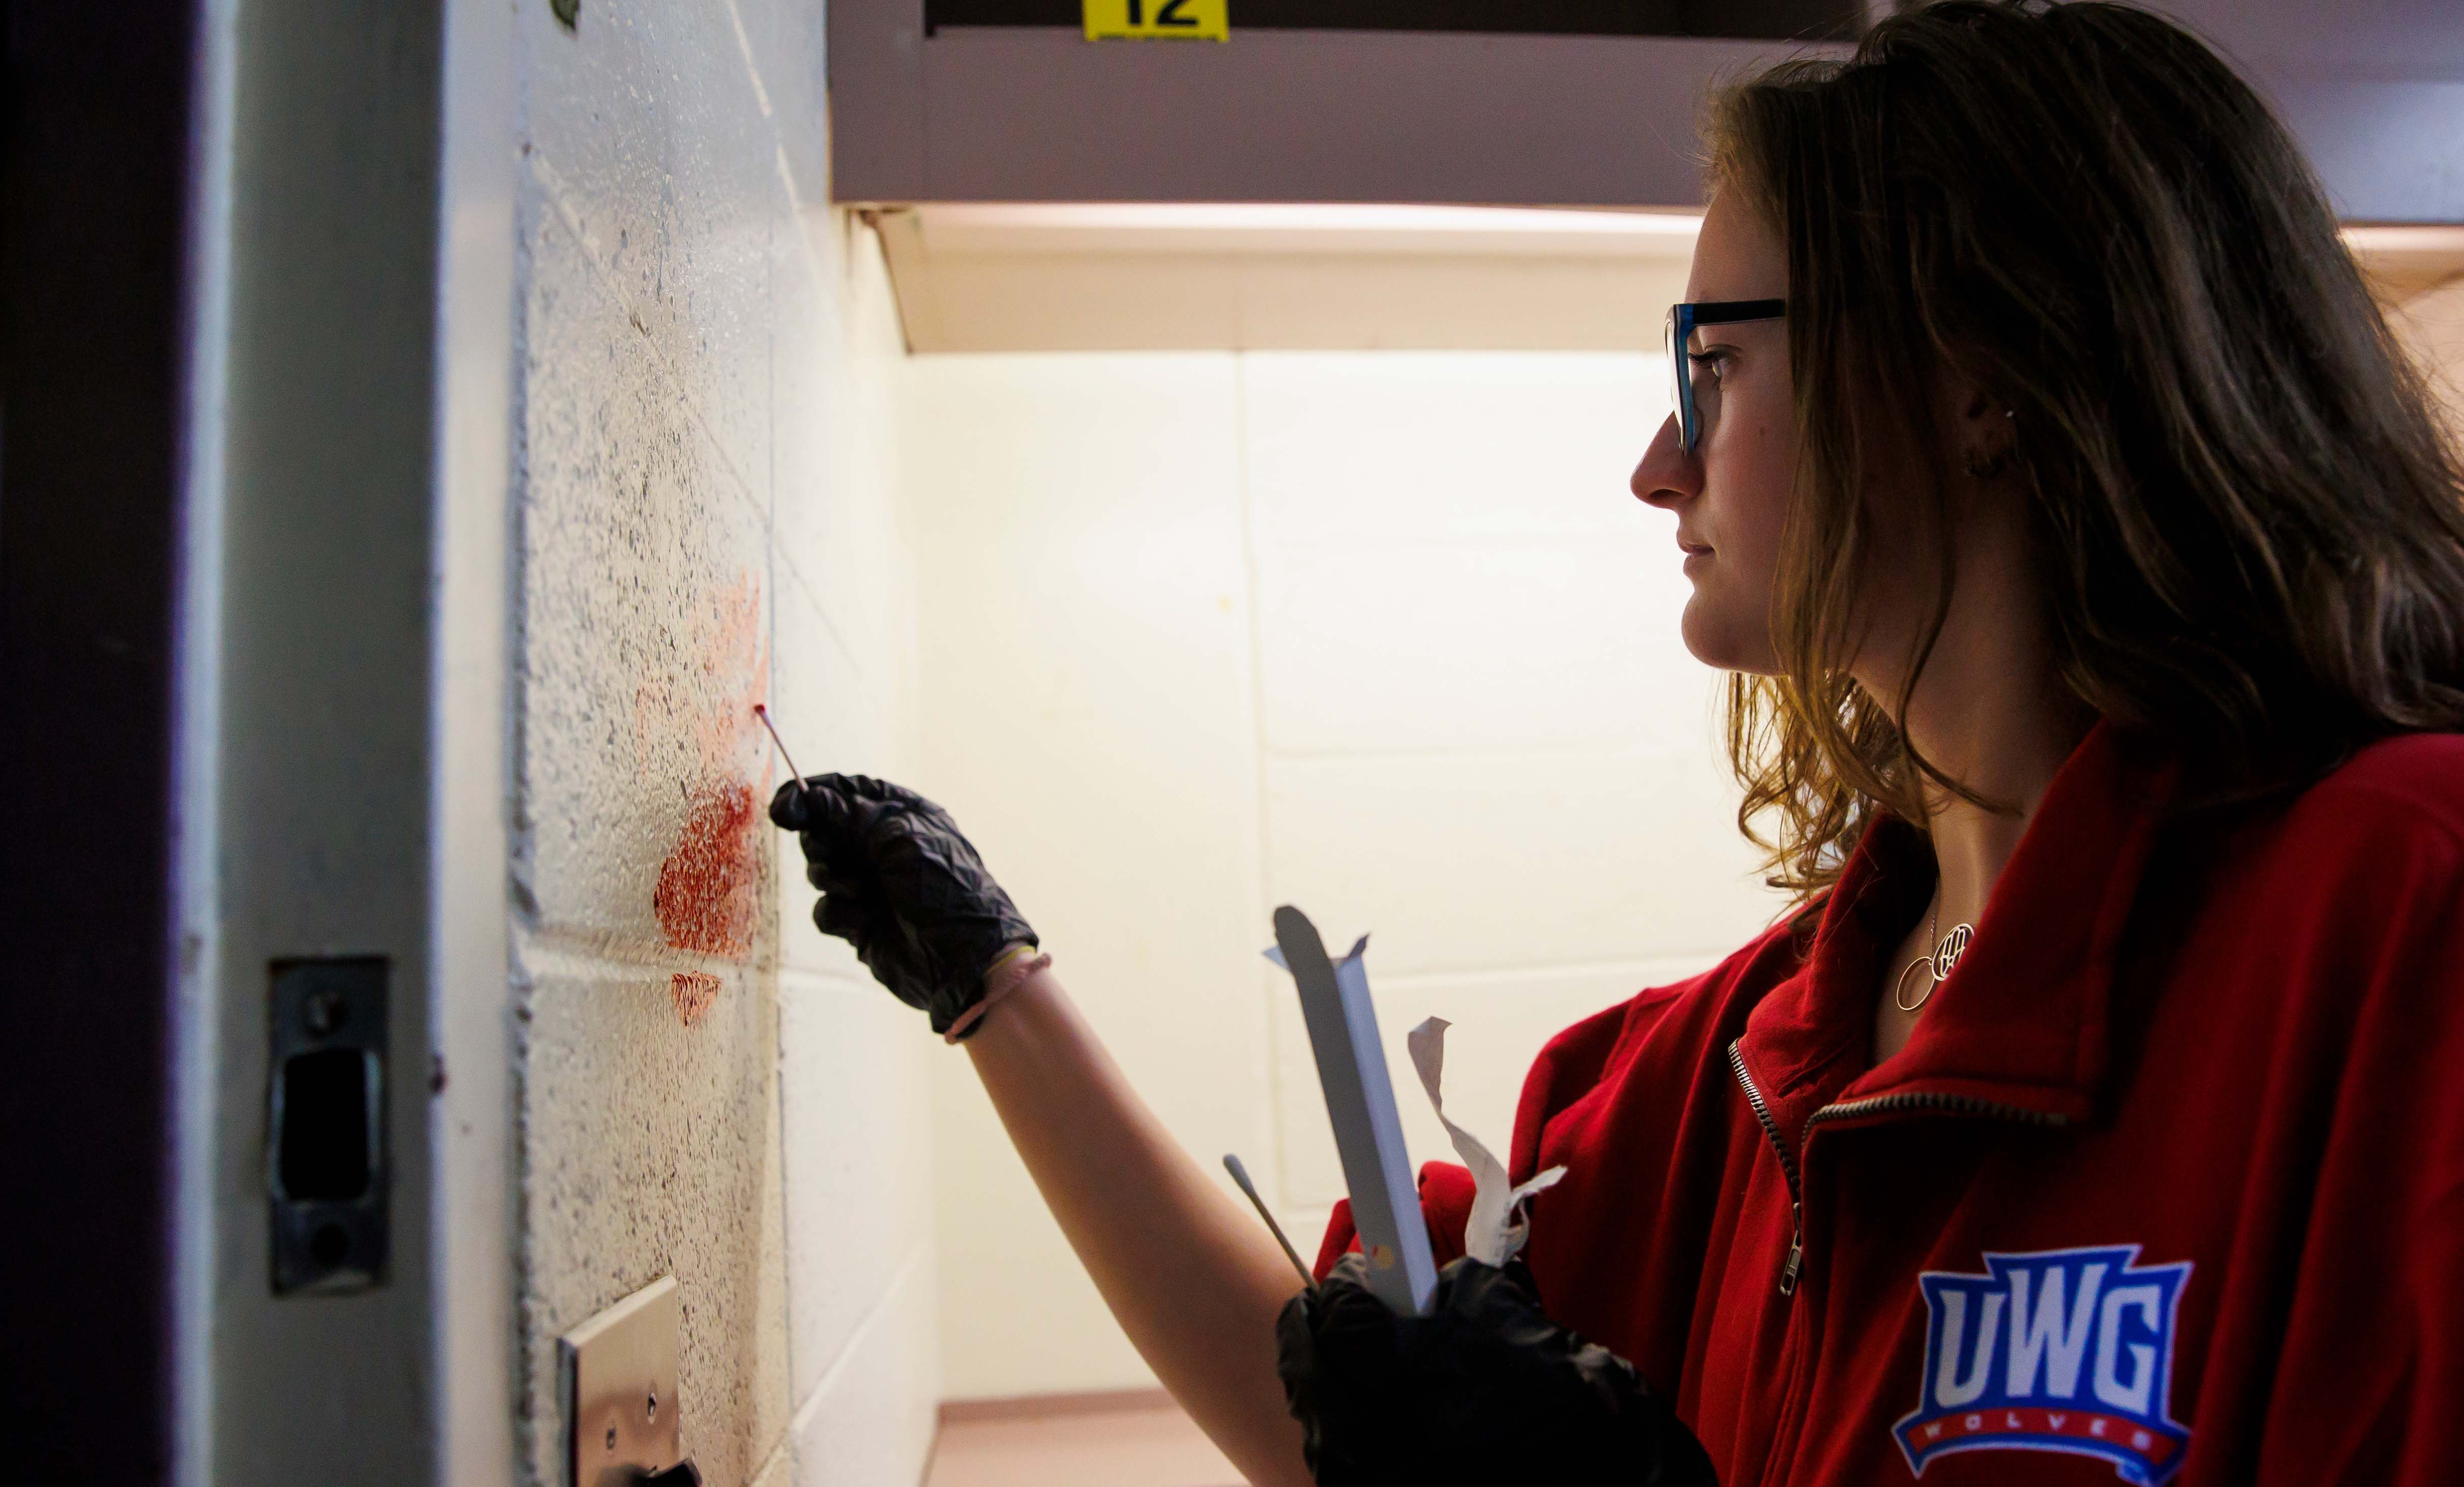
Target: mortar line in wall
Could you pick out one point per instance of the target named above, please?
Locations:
(1258, 731)
(810, 1405)
(822, 281)
(770, 394)
(813, 596)
(552, 187)
(744, 49)
(787, 181)
(782, 1446)
(796, 218)
(795, 197)
(789, 1281)
(778, 556)
(860, 987)
(582, 954)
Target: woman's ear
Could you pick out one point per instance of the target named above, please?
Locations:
(1982, 431)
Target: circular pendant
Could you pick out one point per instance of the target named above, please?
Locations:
(1900, 990)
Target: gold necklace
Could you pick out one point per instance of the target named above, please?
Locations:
(1946, 952)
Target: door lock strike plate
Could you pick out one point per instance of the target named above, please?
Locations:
(618, 1375)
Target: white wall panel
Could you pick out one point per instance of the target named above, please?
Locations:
(1086, 655)
(1018, 1315)
(1489, 863)
(859, 1160)
(1376, 447)
(1497, 644)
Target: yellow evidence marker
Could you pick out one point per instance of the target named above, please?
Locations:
(1152, 20)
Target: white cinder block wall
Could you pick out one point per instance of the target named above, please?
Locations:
(704, 492)
(1379, 634)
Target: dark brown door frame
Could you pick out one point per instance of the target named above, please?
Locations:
(93, 217)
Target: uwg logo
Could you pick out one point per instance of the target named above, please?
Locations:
(2057, 1350)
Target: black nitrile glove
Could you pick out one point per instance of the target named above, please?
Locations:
(1483, 1389)
(901, 885)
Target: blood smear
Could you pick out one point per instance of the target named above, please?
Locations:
(709, 888)
(694, 991)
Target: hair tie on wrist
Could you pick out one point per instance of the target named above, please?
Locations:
(1010, 972)
(1018, 951)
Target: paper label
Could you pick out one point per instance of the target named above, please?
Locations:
(1496, 1231)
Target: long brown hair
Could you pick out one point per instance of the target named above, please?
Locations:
(2248, 522)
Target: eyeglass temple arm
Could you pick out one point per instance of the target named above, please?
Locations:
(1728, 312)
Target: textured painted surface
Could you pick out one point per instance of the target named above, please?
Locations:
(705, 522)
(654, 1148)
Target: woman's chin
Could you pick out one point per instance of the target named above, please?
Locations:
(1719, 642)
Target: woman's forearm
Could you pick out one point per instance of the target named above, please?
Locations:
(1191, 1276)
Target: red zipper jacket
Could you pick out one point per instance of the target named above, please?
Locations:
(2168, 1184)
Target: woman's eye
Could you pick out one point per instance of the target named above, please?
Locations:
(1714, 362)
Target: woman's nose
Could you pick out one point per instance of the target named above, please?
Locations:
(1668, 475)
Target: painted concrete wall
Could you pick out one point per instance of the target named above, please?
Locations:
(704, 503)
(1381, 634)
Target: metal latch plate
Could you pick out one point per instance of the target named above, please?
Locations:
(619, 1381)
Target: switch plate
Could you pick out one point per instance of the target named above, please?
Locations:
(618, 1376)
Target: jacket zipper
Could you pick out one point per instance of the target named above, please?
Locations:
(1787, 1165)
(1954, 1105)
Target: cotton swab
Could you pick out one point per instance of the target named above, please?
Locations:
(763, 712)
(1240, 1175)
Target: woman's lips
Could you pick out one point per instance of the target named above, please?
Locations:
(1695, 552)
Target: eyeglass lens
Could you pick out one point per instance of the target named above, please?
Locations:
(1677, 383)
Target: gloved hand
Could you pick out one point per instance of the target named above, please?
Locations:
(1483, 1389)
(900, 884)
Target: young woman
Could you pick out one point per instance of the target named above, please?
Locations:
(2090, 570)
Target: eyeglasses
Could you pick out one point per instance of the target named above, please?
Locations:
(1699, 408)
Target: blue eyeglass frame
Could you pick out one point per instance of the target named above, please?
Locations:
(1682, 320)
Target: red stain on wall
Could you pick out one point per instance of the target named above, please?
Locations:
(693, 990)
(709, 884)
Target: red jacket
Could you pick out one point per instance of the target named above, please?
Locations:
(2168, 1182)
